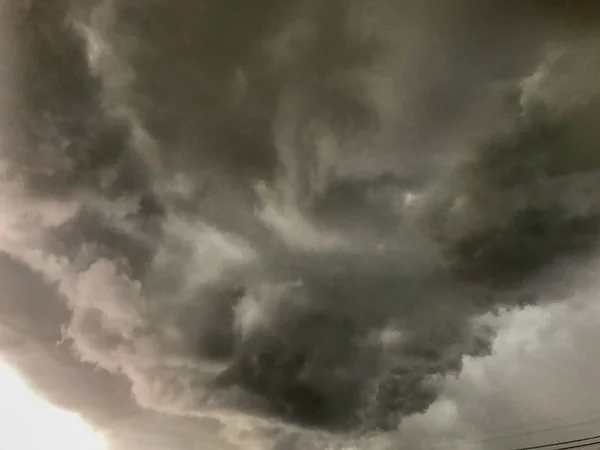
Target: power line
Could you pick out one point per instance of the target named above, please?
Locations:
(543, 430)
(532, 432)
(589, 444)
(554, 444)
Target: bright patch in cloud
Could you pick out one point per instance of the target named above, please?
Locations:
(28, 422)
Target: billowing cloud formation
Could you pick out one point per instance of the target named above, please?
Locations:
(296, 210)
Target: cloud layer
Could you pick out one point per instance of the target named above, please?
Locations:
(296, 212)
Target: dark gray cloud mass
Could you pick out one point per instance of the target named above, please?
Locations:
(294, 212)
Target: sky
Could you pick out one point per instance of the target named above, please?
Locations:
(29, 423)
(298, 224)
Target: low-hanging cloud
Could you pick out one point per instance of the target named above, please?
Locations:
(281, 210)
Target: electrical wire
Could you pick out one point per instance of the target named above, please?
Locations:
(589, 444)
(554, 444)
(531, 432)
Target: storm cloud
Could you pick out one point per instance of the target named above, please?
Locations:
(296, 212)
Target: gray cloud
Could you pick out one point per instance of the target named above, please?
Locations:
(295, 213)
(536, 389)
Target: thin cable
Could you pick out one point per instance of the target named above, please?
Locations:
(529, 433)
(589, 444)
(554, 444)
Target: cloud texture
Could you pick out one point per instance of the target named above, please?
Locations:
(295, 213)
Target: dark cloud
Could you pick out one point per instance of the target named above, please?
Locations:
(294, 211)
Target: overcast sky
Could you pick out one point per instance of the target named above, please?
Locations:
(301, 224)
